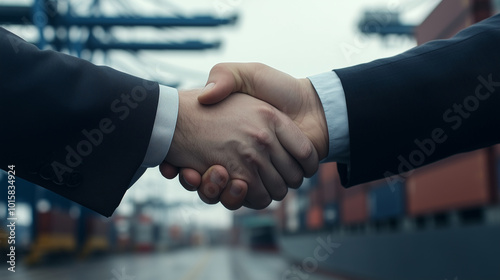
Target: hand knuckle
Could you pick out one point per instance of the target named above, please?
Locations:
(263, 138)
(306, 151)
(249, 154)
(268, 113)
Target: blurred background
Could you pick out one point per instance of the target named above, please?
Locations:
(443, 222)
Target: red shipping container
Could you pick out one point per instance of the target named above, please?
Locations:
(280, 215)
(315, 217)
(461, 181)
(97, 226)
(315, 197)
(354, 205)
(329, 182)
(56, 222)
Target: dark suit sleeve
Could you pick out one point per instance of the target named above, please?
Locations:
(423, 105)
(77, 129)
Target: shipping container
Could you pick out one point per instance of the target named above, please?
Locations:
(302, 220)
(386, 201)
(498, 178)
(292, 223)
(354, 206)
(496, 175)
(315, 217)
(315, 197)
(94, 233)
(331, 215)
(280, 215)
(143, 233)
(458, 182)
(329, 182)
(122, 226)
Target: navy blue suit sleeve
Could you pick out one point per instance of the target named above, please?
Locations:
(433, 101)
(75, 128)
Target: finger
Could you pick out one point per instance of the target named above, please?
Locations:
(233, 196)
(258, 80)
(273, 182)
(168, 171)
(288, 167)
(222, 81)
(258, 196)
(297, 144)
(281, 166)
(190, 179)
(213, 183)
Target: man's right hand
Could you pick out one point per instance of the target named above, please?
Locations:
(294, 97)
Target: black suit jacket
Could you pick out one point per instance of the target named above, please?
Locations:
(428, 103)
(77, 129)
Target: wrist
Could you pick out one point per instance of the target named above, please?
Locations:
(319, 129)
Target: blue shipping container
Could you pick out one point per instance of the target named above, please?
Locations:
(387, 201)
(331, 214)
(302, 221)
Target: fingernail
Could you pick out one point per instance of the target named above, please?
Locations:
(235, 191)
(211, 192)
(191, 187)
(216, 178)
(208, 88)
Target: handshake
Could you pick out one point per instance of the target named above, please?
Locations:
(248, 136)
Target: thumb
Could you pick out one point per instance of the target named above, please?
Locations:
(223, 80)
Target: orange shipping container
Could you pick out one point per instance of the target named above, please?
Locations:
(354, 205)
(315, 217)
(280, 215)
(315, 197)
(329, 182)
(458, 182)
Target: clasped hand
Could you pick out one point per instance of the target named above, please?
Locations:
(250, 147)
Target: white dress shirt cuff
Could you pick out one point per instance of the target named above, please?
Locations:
(164, 127)
(332, 96)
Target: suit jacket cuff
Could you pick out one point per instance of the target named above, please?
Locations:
(330, 91)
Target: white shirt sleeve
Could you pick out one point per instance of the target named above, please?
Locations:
(163, 130)
(332, 96)
(164, 127)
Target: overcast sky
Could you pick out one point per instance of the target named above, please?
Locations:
(301, 38)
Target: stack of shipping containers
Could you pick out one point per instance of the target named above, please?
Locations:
(452, 194)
